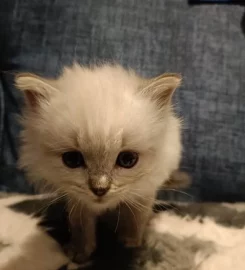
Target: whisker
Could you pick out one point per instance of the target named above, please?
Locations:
(52, 202)
(118, 217)
(70, 212)
(134, 205)
(176, 190)
(137, 205)
(140, 206)
(81, 218)
(169, 189)
(168, 204)
(144, 197)
(131, 212)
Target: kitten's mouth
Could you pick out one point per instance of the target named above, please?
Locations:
(101, 199)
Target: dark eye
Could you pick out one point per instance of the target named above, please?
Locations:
(127, 159)
(73, 159)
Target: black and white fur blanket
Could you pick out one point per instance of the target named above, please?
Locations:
(180, 236)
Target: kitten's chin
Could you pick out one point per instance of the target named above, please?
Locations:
(102, 204)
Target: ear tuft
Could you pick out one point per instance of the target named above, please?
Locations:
(35, 88)
(161, 88)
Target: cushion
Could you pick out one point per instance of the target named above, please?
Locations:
(179, 236)
(204, 43)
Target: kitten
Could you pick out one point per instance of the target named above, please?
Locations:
(105, 138)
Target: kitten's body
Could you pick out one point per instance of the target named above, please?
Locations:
(101, 112)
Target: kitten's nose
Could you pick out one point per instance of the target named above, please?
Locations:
(99, 185)
(99, 191)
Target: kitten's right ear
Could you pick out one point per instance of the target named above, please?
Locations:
(35, 88)
(161, 88)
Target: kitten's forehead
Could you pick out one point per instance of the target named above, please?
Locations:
(103, 98)
(99, 77)
(98, 141)
(100, 109)
(100, 91)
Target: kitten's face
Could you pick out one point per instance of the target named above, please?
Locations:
(94, 134)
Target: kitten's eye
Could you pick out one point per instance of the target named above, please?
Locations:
(73, 159)
(127, 159)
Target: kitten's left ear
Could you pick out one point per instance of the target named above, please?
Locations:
(161, 88)
(35, 88)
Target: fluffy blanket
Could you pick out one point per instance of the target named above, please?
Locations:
(180, 236)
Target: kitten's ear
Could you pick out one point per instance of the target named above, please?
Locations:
(161, 88)
(35, 88)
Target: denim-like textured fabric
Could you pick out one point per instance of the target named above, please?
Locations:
(204, 43)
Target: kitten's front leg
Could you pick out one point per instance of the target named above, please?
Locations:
(133, 221)
(83, 234)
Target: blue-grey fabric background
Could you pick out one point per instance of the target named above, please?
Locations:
(205, 43)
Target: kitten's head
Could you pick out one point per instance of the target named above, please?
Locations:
(99, 134)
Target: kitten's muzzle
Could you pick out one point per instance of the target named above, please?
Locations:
(99, 185)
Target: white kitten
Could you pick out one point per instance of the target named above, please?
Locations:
(103, 137)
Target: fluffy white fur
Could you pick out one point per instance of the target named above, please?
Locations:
(100, 111)
(27, 246)
(229, 242)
